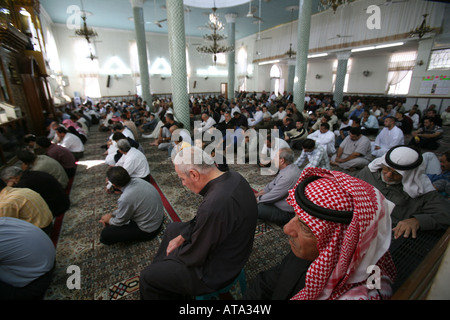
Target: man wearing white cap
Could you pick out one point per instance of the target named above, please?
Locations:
(400, 176)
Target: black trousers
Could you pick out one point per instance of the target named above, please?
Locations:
(169, 279)
(35, 290)
(129, 232)
(71, 171)
(425, 143)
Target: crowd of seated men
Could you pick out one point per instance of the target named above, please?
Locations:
(368, 139)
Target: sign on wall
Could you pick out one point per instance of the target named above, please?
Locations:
(438, 85)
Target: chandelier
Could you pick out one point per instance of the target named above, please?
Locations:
(290, 53)
(85, 31)
(422, 29)
(334, 4)
(215, 25)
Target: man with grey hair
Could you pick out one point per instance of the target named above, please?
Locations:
(400, 176)
(205, 254)
(133, 160)
(272, 205)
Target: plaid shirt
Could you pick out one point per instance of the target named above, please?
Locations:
(25, 204)
(318, 158)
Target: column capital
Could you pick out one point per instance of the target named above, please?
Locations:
(137, 3)
(231, 17)
(343, 55)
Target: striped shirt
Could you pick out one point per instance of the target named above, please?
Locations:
(25, 204)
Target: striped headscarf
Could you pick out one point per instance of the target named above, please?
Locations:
(351, 221)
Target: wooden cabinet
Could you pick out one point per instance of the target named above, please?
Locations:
(23, 75)
(11, 139)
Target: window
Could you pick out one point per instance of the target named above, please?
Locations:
(401, 87)
(275, 71)
(275, 75)
(242, 69)
(88, 68)
(439, 60)
(221, 58)
(52, 53)
(400, 70)
(134, 58)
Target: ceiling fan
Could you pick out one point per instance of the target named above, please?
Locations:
(158, 23)
(258, 35)
(339, 36)
(251, 11)
(259, 38)
(389, 2)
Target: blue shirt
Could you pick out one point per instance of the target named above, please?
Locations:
(26, 252)
(356, 113)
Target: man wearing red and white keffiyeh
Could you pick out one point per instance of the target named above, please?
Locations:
(350, 221)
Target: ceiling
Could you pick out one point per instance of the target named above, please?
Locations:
(117, 14)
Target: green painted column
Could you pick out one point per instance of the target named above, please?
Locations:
(291, 77)
(301, 62)
(177, 50)
(231, 22)
(141, 42)
(341, 71)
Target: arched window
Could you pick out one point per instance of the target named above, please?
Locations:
(88, 68)
(275, 76)
(400, 69)
(275, 71)
(242, 68)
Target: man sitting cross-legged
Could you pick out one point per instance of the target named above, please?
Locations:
(140, 211)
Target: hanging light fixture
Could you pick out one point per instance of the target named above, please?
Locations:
(85, 31)
(91, 55)
(334, 4)
(421, 30)
(290, 53)
(215, 25)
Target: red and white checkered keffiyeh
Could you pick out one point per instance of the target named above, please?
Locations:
(346, 251)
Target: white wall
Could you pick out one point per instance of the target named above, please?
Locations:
(423, 54)
(116, 43)
(375, 83)
(324, 68)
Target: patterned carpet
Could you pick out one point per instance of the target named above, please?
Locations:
(111, 272)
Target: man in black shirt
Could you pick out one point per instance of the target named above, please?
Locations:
(43, 183)
(205, 254)
(240, 121)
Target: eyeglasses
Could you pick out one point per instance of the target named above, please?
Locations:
(395, 174)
